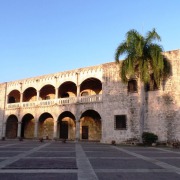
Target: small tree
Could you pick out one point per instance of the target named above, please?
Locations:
(149, 138)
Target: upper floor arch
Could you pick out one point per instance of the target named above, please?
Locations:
(47, 92)
(91, 86)
(29, 94)
(14, 96)
(67, 89)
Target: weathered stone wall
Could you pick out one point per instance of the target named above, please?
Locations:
(117, 101)
(164, 104)
(162, 116)
(2, 105)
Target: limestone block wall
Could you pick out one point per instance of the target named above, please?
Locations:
(164, 104)
(2, 104)
(117, 101)
(162, 115)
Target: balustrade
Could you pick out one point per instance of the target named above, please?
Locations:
(69, 100)
(90, 99)
(46, 102)
(13, 105)
(61, 101)
(28, 104)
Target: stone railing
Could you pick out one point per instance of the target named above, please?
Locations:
(13, 105)
(90, 99)
(70, 100)
(28, 104)
(61, 101)
(49, 102)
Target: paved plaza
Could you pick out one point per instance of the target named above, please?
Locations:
(33, 160)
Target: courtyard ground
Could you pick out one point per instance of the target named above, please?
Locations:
(52, 160)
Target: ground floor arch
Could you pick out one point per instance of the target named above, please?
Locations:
(27, 126)
(66, 126)
(46, 126)
(90, 126)
(11, 127)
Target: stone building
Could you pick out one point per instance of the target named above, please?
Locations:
(90, 104)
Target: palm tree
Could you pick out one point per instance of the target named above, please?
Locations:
(143, 59)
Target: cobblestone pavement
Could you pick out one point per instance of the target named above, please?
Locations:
(33, 160)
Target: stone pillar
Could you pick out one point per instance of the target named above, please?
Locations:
(19, 130)
(37, 96)
(78, 86)
(56, 93)
(36, 129)
(7, 99)
(21, 97)
(4, 130)
(78, 90)
(77, 130)
(55, 129)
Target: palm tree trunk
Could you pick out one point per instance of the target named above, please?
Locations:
(142, 110)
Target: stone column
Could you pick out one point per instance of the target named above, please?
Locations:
(78, 86)
(77, 130)
(21, 97)
(36, 129)
(7, 99)
(37, 96)
(55, 129)
(56, 93)
(19, 130)
(78, 90)
(4, 130)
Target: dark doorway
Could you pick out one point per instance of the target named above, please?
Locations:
(85, 132)
(11, 127)
(64, 129)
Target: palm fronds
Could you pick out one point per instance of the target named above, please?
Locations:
(143, 57)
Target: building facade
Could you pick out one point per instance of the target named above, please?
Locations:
(90, 104)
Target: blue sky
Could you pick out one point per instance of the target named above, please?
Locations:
(40, 37)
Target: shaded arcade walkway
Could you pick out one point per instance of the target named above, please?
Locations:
(32, 160)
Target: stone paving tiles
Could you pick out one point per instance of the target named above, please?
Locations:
(173, 161)
(122, 164)
(9, 154)
(137, 176)
(106, 154)
(53, 154)
(54, 160)
(158, 154)
(14, 149)
(38, 176)
(57, 163)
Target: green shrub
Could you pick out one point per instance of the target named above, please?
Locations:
(149, 138)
